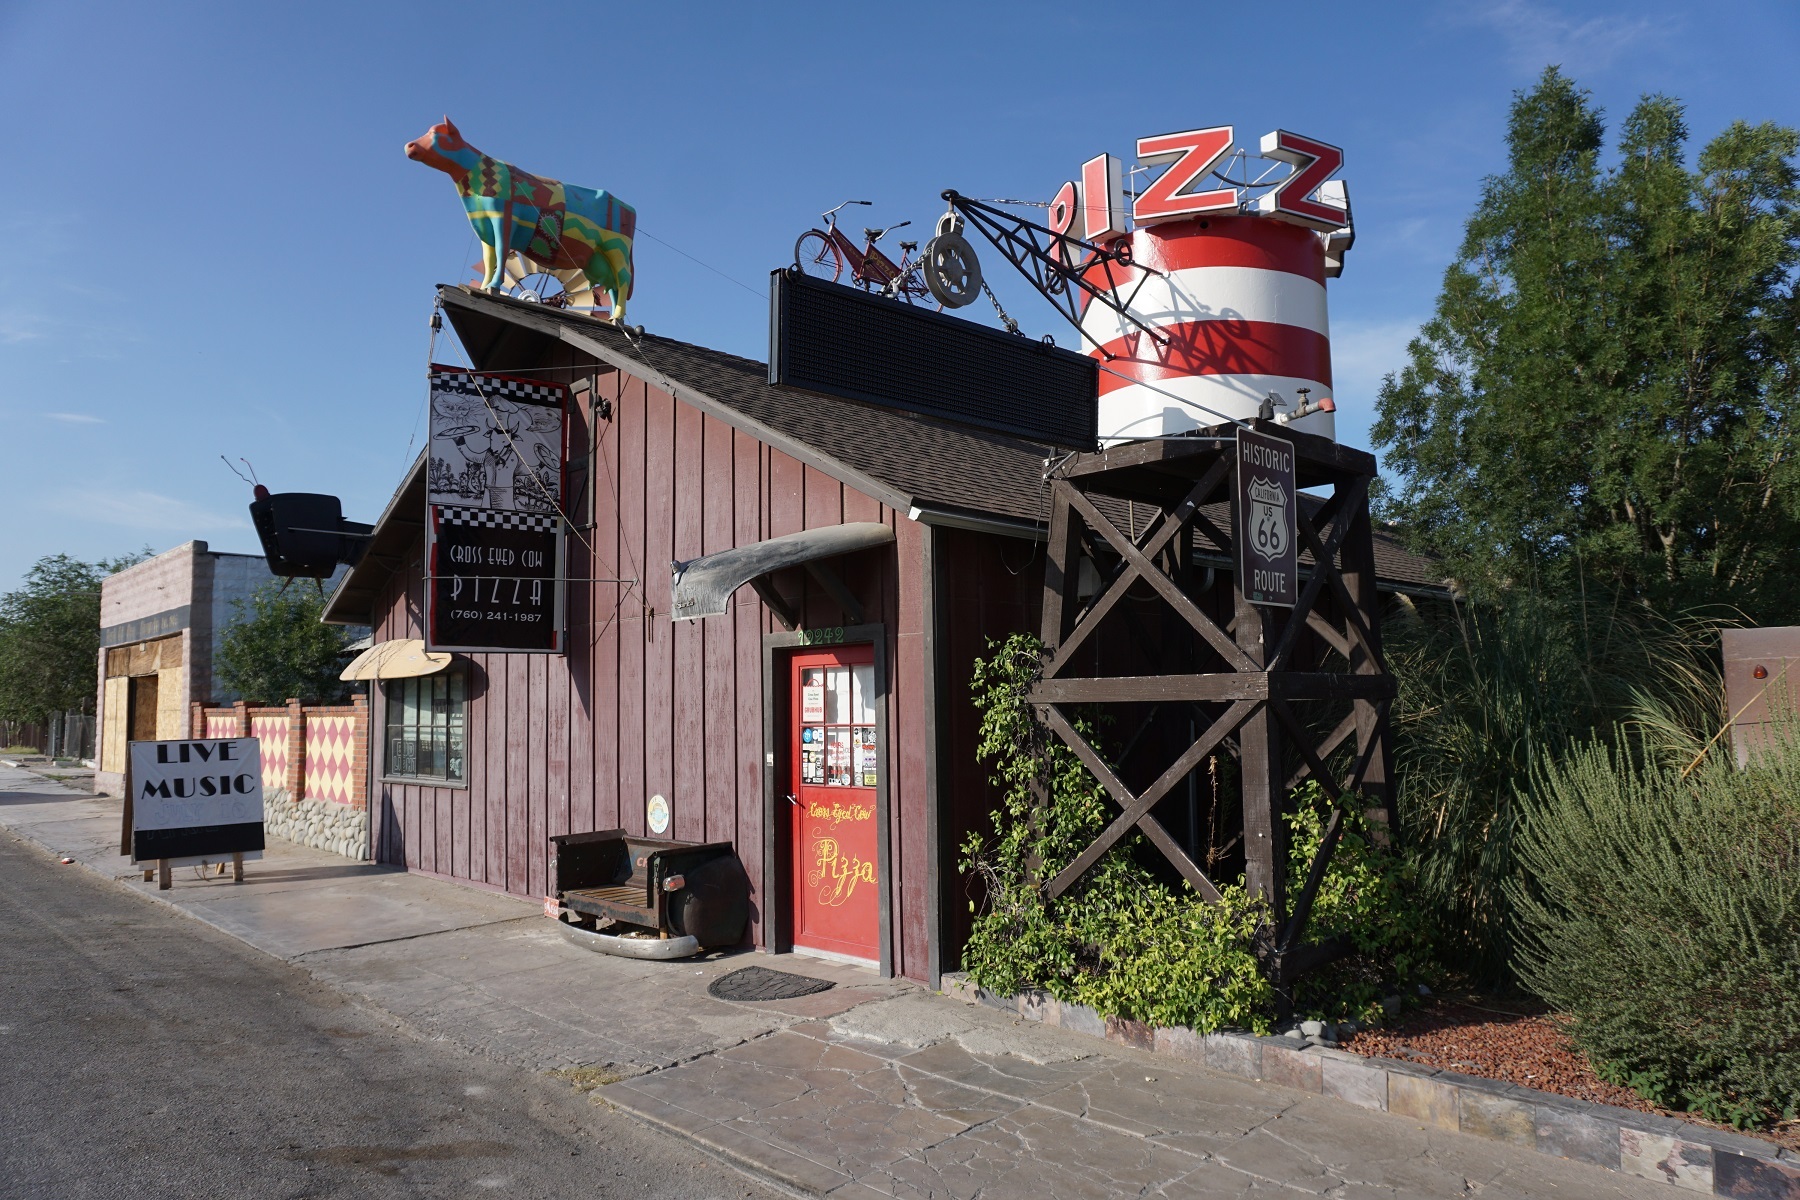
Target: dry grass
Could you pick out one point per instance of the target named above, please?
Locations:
(586, 1079)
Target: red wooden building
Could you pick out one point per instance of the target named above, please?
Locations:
(822, 722)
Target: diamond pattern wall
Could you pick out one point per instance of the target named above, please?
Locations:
(272, 730)
(330, 757)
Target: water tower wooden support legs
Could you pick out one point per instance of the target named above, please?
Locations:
(1246, 680)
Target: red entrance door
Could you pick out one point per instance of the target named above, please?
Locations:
(835, 895)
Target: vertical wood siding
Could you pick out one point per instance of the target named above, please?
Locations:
(641, 705)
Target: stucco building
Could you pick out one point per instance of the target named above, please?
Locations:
(159, 621)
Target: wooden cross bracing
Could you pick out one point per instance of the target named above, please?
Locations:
(1248, 698)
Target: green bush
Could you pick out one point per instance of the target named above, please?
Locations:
(1490, 693)
(1662, 912)
(1123, 941)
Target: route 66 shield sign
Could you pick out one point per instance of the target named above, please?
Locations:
(1268, 519)
(1268, 562)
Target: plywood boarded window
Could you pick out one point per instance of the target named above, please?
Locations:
(171, 713)
(144, 658)
(114, 726)
(144, 690)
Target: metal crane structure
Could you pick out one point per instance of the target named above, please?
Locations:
(1058, 264)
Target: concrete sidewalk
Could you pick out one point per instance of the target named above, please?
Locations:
(872, 1088)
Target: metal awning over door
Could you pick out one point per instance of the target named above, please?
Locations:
(703, 586)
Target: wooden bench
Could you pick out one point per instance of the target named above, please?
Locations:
(674, 888)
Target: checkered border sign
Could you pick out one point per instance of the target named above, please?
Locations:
(489, 518)
(496, 387)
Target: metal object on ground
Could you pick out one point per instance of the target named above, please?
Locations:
(678, 889)
(760, 983)
(652, 949)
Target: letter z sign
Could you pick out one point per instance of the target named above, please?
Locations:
(1191, 156)
(1314, 162)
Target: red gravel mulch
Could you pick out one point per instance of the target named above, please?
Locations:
(1518, 1044)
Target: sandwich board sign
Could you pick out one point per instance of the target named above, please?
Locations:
(195, 801)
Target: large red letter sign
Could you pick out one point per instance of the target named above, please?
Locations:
(1063, 211)
(1102, 198)
(1191, 155)
(1314, 162)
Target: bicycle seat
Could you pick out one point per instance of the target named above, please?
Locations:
(870, 235)
(909, 247)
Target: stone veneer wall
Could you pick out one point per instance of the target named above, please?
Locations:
(322, 824)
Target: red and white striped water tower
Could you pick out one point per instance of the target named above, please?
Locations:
(1238, 289)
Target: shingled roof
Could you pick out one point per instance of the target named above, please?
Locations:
(932, 468)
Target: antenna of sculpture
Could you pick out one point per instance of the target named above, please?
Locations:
(531, 225)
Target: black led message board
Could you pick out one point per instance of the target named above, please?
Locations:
(829, 338)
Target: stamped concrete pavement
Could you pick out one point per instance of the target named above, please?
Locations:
(876, 1087)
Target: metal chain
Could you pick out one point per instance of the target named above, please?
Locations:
(1012, 326)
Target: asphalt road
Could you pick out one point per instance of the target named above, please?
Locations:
(143, 1054)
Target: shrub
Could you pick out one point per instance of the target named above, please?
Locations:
(1662, 912)
(1488, 694)
(1123, 941)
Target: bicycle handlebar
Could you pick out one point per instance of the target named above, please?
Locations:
(826, 215)
(875, 235)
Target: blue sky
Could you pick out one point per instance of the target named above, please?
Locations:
(215, 246)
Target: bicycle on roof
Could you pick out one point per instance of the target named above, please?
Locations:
(823, 253)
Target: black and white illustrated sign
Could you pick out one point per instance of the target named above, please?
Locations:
(494, 513)
(198, 800)
(1268, 558)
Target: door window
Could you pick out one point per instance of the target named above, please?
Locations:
(837, 731)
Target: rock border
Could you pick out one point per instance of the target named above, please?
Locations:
(318, 824)
(1710, 1161)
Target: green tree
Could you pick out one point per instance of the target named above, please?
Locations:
(1608, 388)
(277, 649)
(50, 637)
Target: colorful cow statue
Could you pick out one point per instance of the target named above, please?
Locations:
(580, 235)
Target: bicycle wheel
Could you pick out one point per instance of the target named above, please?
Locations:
(816, 255)
(911, 288)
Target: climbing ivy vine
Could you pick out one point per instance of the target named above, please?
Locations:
(1124, 941)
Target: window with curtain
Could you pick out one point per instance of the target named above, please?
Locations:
(425, 728)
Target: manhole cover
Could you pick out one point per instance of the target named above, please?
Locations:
(760, 983)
